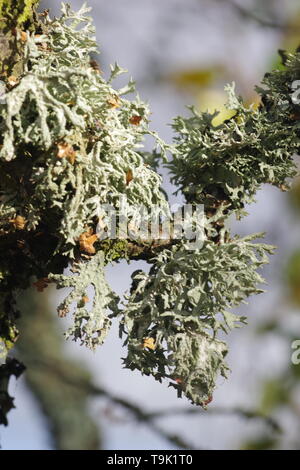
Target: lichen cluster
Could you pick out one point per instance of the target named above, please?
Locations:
(70, 142)
(182, 303)
(229, 163)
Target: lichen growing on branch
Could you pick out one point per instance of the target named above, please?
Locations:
(229, 163)
(70, 143)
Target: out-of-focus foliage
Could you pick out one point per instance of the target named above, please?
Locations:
(279, 394)
(293, 277)
(194, 78)
(260, 443)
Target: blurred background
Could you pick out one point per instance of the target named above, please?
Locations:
(180, 52)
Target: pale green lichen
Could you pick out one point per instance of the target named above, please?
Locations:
(182, 304)
(230, 162)
(62, 97)
(90, 325)
(69, 140)
(63, 101)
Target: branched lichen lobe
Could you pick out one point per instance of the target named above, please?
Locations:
(70, 143)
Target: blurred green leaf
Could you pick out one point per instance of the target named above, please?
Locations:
(274, 394)
(196, 77)
(267, 327)
(295, 370)
(293, 276)
(262, 443)
(294, 195)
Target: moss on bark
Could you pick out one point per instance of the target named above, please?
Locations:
(14, 16)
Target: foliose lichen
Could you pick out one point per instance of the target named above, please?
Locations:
(71, 143)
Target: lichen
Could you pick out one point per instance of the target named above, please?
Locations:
(230, 162)
(70, 143)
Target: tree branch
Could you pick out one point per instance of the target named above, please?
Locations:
(248, 14)
(150, 418)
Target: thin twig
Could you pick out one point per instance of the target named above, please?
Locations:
(136, 411)
(149, 417)
(251, 15)
(248, 414)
